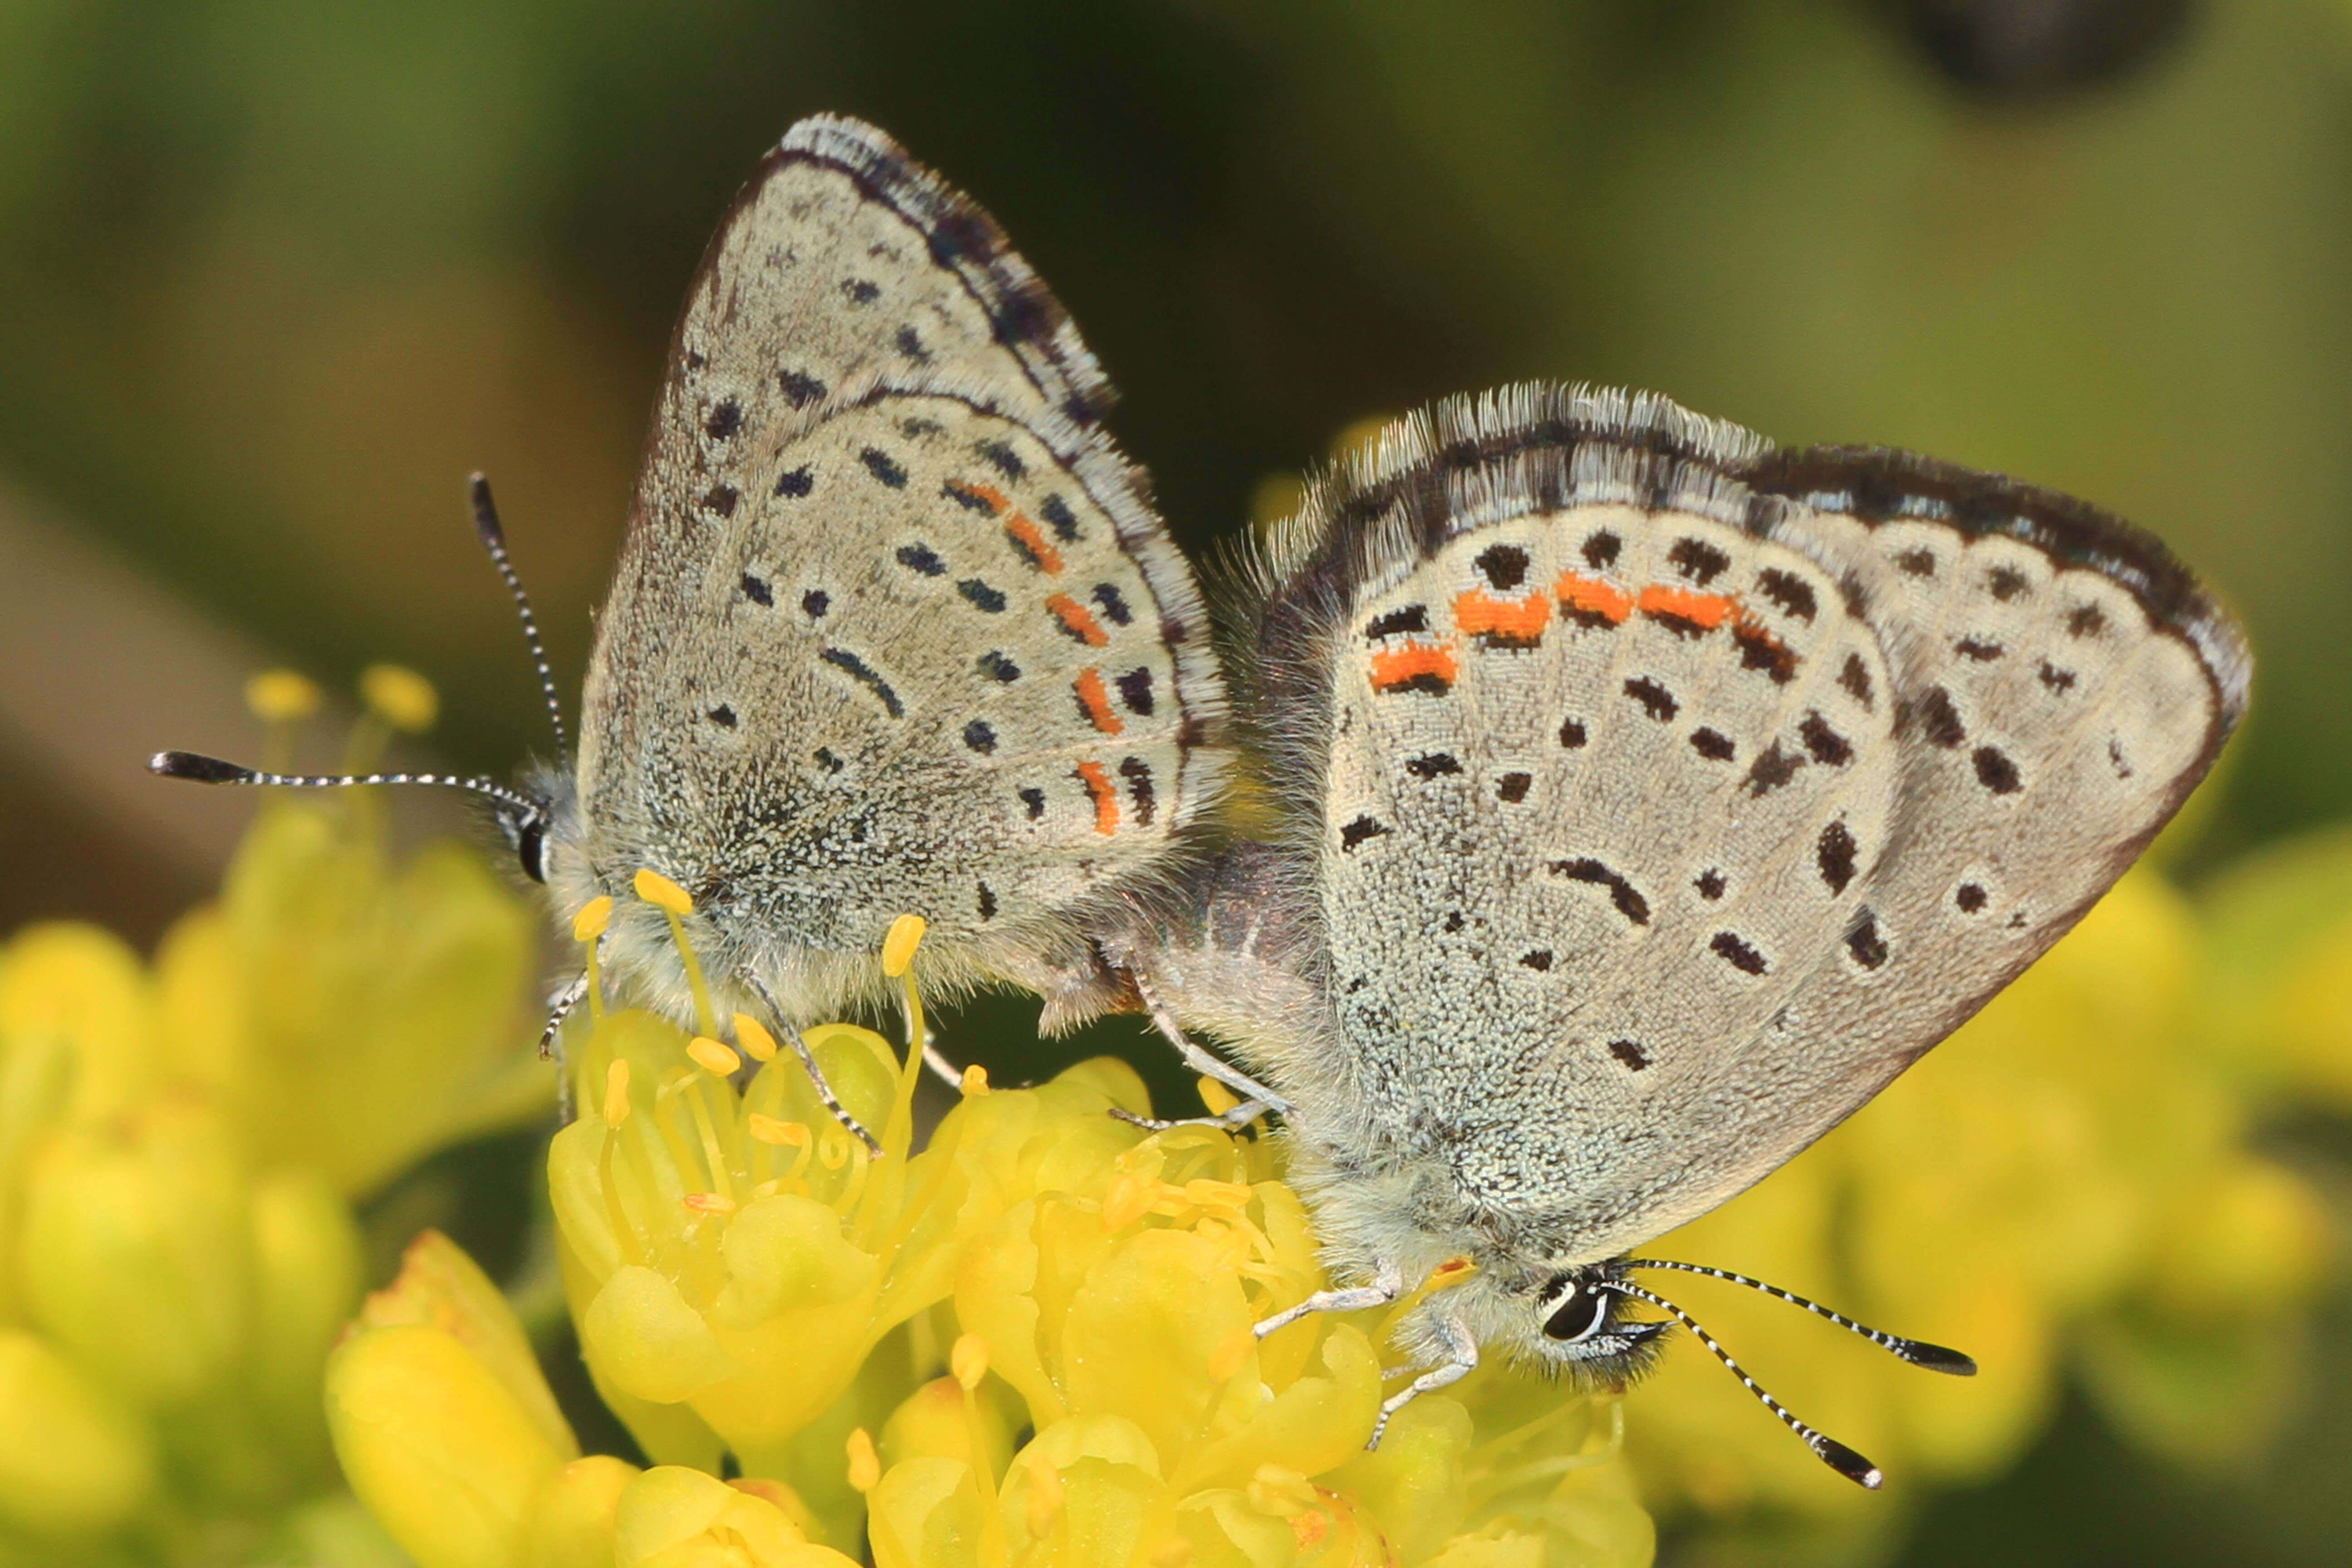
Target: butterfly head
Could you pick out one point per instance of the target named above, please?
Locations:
(1576, 1319)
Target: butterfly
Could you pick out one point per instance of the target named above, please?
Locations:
(1645, 797)
(1648, 798)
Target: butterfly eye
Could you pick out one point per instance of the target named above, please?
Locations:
(530, 848)
(1573, 1311)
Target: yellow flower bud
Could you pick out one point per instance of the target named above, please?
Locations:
(306, 1275)
(574, 1517)
(281, 696)
(440, 1287)
(672, 1517)
(72, 1460)
(400, 697)
(434, 1444)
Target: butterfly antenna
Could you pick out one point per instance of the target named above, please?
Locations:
(196, 766)
(1826, 1449)
(1918, 1353)
(494, 540)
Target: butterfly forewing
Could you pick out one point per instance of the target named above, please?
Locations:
(895, 628)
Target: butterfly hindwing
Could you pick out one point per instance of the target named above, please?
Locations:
(1646, 801)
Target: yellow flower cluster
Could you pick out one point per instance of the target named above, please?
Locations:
(1029, 1343)
(2067, 1177)
(179, 1145)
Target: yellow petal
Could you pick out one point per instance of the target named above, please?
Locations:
(72, 1460)
(571, 1522)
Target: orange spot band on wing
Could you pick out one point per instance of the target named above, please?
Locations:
(1522, 621)
(1031, 540)
(993, 496)
(1706, 611)
(1077, 620)
(1593, 596)
(1097, 778)
(1096, 702)
(1420, 665)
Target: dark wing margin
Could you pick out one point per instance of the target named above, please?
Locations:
(1028, 321)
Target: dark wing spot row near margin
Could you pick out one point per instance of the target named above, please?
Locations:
(1836, 854)
(987, 901)
(1759, 649)
(1506, 566)
(1621, 893)
(966, 497)
(1114, 608)
(1356, 832)
(1863, 941)
(2055, 678)
(1057, 515)
(1601, 549)
(800, 389)
(864, 673)
(1135, 690)
(1728, 946)
(1713, 744)
(795, 482)
(1697, 560)
(981, 595)
(1791, 592)
(1431, 764)
(880, 464)
(922, 558)
(1984, 650)
(1411, 618)
(2006, 583)
(755, 590)
(1138, 774)
(1916, 563)
(1003, 457)
(724, 421)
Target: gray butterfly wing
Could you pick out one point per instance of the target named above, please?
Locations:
(1637, 803)
(895, 627)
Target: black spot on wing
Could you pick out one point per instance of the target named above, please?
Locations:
(1996, 771)
(721, 500)
(1356, 832)
(724, 421)
(1513, 787)
(795, 482)
(1969, 897)
(1431, 764)
(1863, 941)
(1835, 855)
(723, 716)
(1034, 800)
(1540, 960)
(800, 388)
(1630, 1053)
(1601, 549)
(1697, 560)
(1135, 690)
(1621, 893)
(1825, 743)
(1710, 884)
(1916, 563)
(2085, 621)
(865, 675)
(1411, 618)
(1938, 717)
(2006, 583)
(1759, 649)
(980, 737)
(1505, 566)
(1572, 733)
(2055, 678)
(1984, 650)
(1114, 607)
(987, 598)
(1655, 699)
(919, 557)
(814, 602)
(1713, 744)
(757, 591)
(884, 469)
(1772, 769)
(1791, 592)
(1057, 515)
(1004, 459)
(1728, 947)
(996, 667)
(987, 901)
(966, 497)
(1855, 678)
(1138, 774)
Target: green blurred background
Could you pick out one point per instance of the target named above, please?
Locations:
(275, 277)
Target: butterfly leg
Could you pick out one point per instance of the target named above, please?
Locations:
(1465, 1358)
(551, 1044)
(856, 1128)
(1202, 1062)
(1232, 1120)
(1387, 1285)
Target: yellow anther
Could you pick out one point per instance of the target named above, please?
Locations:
(1280, 1491)
(783, 1134)
(753, 1036)
(969, 1360)
(898, 947)
(708, 1203)
(865, 1464)
(593, 917)
(661, 893)
(1130, 1197)
(401, 698)
(616, 1092)
(1214, 1195)
(712, 1056)
(281, 697)
(974, 1082)
(1232, 1352)
(1044, 1500)
(1451, 1272)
